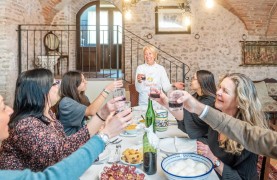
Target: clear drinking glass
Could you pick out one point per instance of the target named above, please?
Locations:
(122, 105)
(173, 96)
(120, 92)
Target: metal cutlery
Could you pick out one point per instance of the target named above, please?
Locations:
(116, 141)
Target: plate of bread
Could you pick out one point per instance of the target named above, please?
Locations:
(132, 156)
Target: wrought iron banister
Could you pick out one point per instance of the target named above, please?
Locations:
(169, 62)
(110, 60)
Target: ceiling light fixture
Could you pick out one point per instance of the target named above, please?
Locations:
(209, 3)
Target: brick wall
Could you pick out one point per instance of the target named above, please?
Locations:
(12, 14)
(217, 50)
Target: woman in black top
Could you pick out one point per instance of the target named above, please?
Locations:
(204, 86)
(237, 97)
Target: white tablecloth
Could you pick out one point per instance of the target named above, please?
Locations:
(93, 172)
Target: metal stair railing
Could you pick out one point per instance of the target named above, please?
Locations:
(133, 44)
(127, 58)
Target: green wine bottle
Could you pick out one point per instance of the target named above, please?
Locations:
(149, 151)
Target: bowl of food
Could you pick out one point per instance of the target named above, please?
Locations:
(141, 121)
(132, 156)
(119, 172)
(131, 129)
(187, 166)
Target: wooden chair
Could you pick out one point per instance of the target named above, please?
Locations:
(134, 95)
(266, 166)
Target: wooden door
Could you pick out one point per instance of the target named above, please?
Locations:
(95, 42)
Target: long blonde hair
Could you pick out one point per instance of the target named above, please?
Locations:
(249, 109)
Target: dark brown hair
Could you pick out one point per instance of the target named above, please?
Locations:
(32, 88)
(206, 80)
(69, 87)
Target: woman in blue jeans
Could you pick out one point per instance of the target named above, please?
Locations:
(71, 167)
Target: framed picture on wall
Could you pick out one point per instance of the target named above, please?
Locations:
(259, 52)
(171, 20)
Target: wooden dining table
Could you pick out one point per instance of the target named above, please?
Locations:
(129, 141)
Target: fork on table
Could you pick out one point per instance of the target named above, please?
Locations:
(116, 141)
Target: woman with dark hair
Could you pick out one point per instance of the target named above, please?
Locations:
(77, 162)
(37, 139)
(203, 84)
(74, 107)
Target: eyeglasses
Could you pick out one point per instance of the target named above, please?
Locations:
(56, 83)
(191, 78)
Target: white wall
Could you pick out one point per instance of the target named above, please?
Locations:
(94, 88)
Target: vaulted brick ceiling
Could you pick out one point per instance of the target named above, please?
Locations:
(259, 16)
(49, 10)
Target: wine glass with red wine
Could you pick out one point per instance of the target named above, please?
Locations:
(155, 91)
(173, 96)
(143, 77)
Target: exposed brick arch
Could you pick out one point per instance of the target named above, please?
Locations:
(259, 17)
(50, 8)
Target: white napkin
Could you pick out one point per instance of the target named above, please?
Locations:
(184, 145)
(152, 137)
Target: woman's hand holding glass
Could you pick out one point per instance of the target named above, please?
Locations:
(141, 77)
(122, 105)
(173, 96)
(109, 107)
(163, 100)
(119, 92)
(155, 91)
(113, 85)
(190, 103)
(115, 124)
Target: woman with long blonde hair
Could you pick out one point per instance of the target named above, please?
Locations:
(237, 97)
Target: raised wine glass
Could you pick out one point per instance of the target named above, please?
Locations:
(120, 92)
(155, 91)
(173, 96)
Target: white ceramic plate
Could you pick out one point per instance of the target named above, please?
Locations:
(138, 171)
(182, 145)
(124, 162)
(124, 134)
